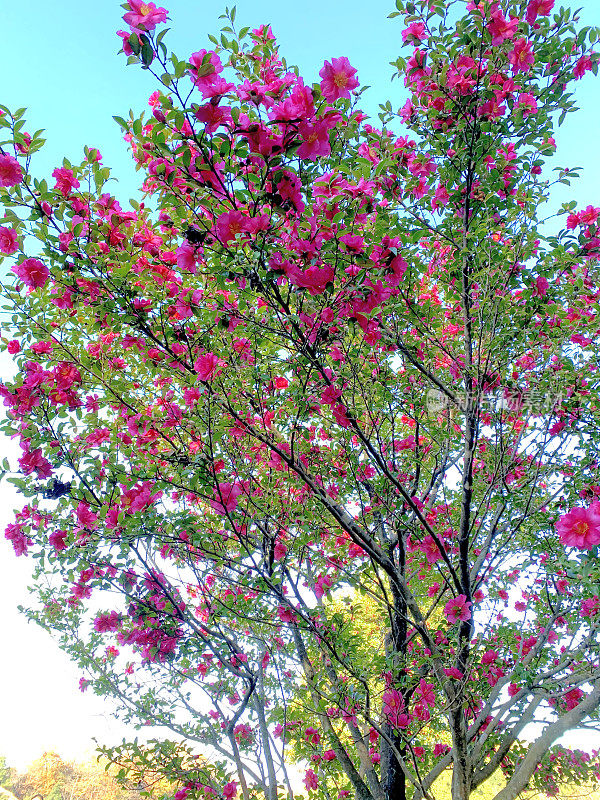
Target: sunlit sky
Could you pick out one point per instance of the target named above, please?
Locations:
(59, 59)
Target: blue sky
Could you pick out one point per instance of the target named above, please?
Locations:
(59, 59)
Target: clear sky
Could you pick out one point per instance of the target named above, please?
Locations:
(59, 59)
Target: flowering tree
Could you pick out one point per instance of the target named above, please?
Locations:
(309, 435)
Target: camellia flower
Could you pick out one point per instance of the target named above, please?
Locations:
(337, 79)
(10, 171)
(521, 58)
(310, 780)
(230, 790)
(65, 181)
(144, 16)
(32, 272)
(206, 366)
(230, 224)
(580, 527)
(582, 66)
(206, 68)
(457, 609)
(8, 241)
(538, 8)
(315, 138)
(226, 497)
(279, 551)
(57, 540)
(85, 516)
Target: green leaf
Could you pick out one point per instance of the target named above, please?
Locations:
(134, 43)
(147, 54)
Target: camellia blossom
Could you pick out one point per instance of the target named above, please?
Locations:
(230, 225)
(230, 790)
(310, 780)
(582, 66)
(521, 57)
(315, 138)
(458, 609)
(32, 272)
(580, 527)
(65, 181)
(206, 366)
(206, 68)
(11, 172)
(337, 79)
(144, 16)
(34, 461)
(85, 516)
(538, 8)
(8, 241)
(226, 497)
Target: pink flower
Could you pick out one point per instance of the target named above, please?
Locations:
(580, 527)
(226, 497)
(426, 693)
(213, 116)
(457, 609)
(521, 57)
(13, 347)
(312, 735)
(206, 366)
(541, 286)
(314, 278)
(453, 672)
(285, 614)
(8, 241)
(415, 32)
(230, 790)
(538, 8)
(144, 16)
(65, 181)
(315, 139)
(57, 540)
(207, 66)
(581, 67)
(355, 244)
(573, 698)
(34, 461)
(527, 103)
(337, 79)
(85, 516)
(589, 215)
(32, 272)
(501, 28)
(393, 708)
(310, 780)
(230, 224)
(489, 657)
(590, 606)
(125, 42)
(10, 171)
(107, 623)
(279, 551)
